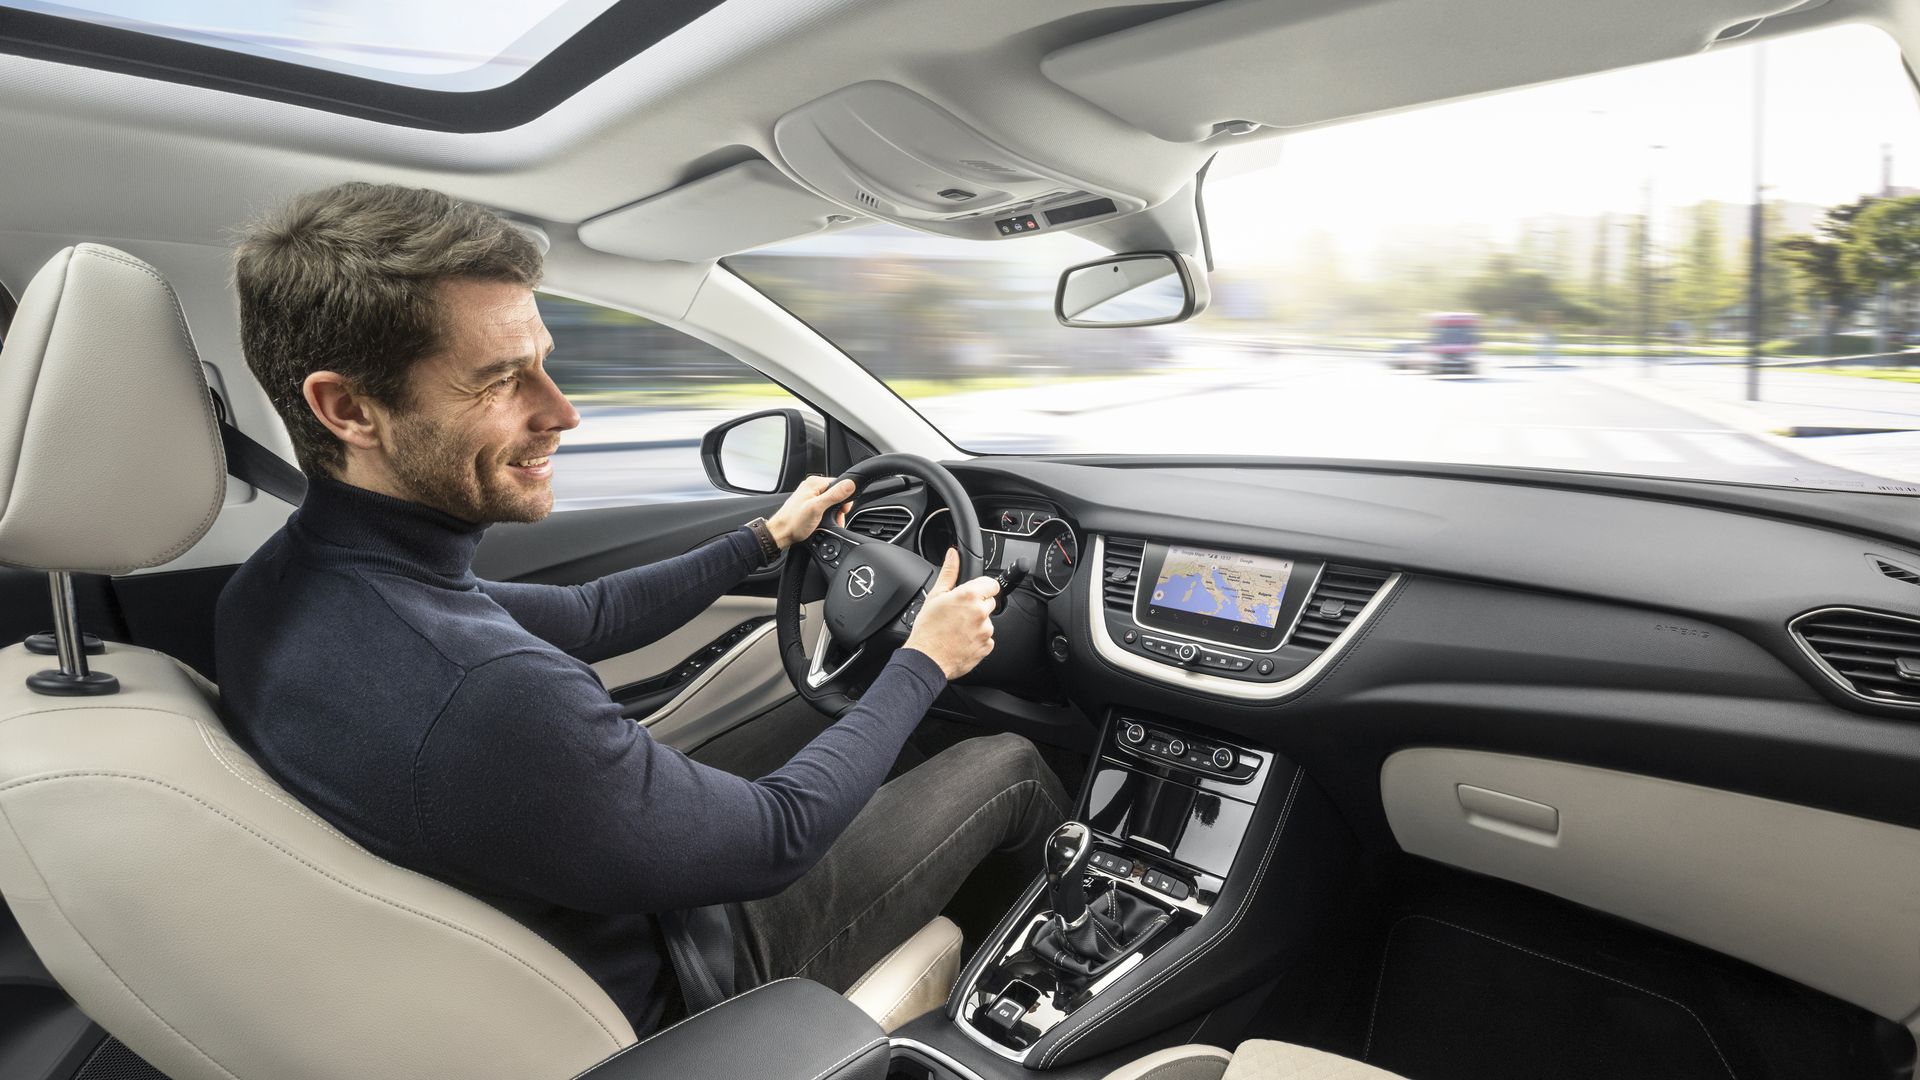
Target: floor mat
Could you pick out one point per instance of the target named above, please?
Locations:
(1452, 1002)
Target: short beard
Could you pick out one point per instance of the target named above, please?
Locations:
(434, 470)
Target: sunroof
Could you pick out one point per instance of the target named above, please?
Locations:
(449, 45)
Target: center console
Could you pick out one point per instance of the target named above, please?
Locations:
(1196, 868)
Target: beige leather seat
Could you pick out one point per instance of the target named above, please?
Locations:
(1260, 1059)
(186, 902)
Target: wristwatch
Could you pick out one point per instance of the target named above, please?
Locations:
(769, 547)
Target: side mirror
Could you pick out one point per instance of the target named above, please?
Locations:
(759, 454)
(1140, 288)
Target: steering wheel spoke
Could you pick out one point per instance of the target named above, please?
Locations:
(874, 593)
(830, 545)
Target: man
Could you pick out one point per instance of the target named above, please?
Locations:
(448, 724)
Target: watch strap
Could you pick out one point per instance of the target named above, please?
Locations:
(769, 547)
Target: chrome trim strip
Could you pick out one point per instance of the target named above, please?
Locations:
(1112, 652)
(720, 663)
(816, 675)
(935, 1057)
(895, 539)
(1833, 673)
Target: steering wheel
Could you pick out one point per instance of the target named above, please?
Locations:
(874, 588)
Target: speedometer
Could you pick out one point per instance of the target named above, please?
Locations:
(1059, 557)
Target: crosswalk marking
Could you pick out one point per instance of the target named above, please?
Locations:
(1636, 446)
(1735, 449)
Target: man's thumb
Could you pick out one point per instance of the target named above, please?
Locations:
(949, 573)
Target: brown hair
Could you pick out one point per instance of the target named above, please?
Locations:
(347, 279)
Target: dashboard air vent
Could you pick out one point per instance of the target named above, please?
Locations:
(1873, 654)
(1121, 570)
(883, 523)
(1341, 593)
(1896, 571)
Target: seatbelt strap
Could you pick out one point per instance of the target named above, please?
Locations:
(253, 463)
(700, 943)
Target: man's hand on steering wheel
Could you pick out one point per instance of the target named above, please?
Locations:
(955, 627)
(801, 513)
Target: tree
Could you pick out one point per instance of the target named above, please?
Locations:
(1817, 263)
(1885, 250)
(1600, 269)
(1702, 287)
(1527, 296)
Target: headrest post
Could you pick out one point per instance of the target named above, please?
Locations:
(73, 678)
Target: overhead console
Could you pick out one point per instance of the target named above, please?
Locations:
(884, 151)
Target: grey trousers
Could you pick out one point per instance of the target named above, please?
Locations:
(900, 862)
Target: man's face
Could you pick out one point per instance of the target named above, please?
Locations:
(485, 417)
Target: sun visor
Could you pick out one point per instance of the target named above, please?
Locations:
(1312, 61)
(739, 208)
(889, 153)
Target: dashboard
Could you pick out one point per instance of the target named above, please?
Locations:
(1337, 615)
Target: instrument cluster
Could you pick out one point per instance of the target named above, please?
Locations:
(1018, 533)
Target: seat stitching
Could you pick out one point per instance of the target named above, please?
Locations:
(836, 1066)
(1554, 959)
(875, 969)
(912, 870)
(928, 970)
(1092, 1022)
(131, 992)
(206, 737)
(270, 842)
(625, 1050)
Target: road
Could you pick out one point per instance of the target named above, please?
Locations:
(1343, 406)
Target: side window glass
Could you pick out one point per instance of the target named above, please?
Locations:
(646, 394)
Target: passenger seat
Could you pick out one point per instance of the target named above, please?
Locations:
(1259, 1059)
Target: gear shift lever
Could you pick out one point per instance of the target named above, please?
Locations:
(1067, 852)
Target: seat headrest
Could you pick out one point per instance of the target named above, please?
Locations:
(110, 456)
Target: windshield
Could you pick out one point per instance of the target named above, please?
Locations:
(1556, 277)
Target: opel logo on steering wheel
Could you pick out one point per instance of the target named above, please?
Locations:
(860, 582)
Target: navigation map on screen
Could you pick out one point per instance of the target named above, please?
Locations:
(1223, 585)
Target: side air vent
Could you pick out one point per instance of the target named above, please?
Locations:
(883, 523)
(1121, 571)
(867, 200)
(1341, 593)
(1871, 653)
(1895, 571)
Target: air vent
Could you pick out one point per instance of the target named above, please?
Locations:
(1121, 571)
(867, 200)
(1895, 571)
(1871, 653)
(881, 522)
(1336, 600)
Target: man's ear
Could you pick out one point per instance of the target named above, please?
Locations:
(351, 417)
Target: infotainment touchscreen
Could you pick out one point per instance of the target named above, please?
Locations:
(1224, 596)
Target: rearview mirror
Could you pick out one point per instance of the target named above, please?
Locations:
(1140, 288)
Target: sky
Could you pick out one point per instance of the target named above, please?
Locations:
(447, 44)
(1832, 99)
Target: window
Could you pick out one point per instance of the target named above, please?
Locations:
(1556, 278)
(646, 394)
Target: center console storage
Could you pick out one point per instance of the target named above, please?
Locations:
(1197, 869)
(791, 1028)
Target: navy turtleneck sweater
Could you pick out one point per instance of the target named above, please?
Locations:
(447, 724)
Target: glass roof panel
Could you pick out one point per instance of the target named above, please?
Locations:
(455, 45)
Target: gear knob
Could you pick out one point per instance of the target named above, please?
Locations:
(1066, 855)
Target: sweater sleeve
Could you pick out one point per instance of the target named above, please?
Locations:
(533, 783)
(621, 612)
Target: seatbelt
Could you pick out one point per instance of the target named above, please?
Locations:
(255, 464)
(700, 943)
